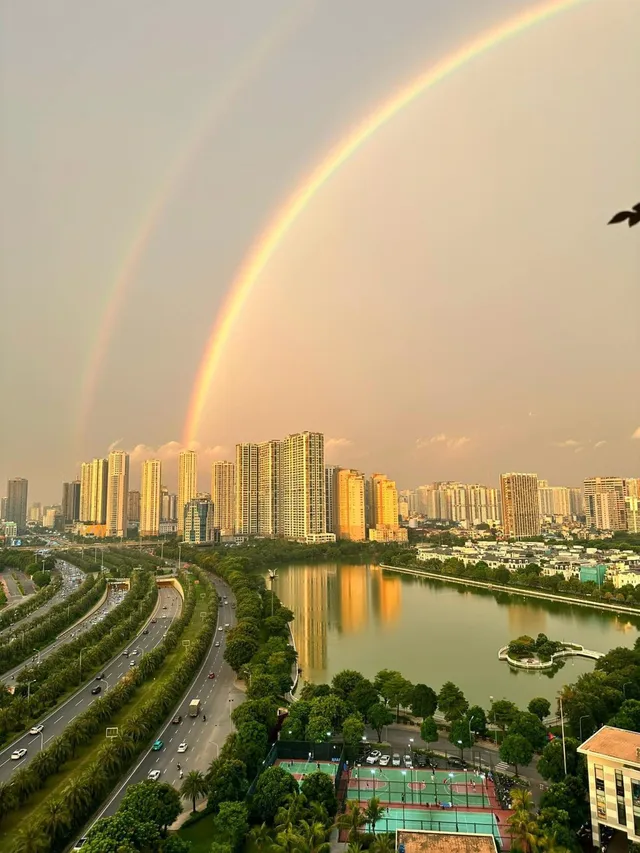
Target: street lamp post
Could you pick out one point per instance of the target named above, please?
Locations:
(452, 802)
(41, 741)
(404, 795)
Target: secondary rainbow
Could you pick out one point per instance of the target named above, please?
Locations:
(264, 248)
(224, 97)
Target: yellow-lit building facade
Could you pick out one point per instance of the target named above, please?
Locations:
(350, 509)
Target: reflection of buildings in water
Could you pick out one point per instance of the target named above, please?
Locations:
(525, 619)
(305, 591)
(353, 597)
(622, 625)
(390, 599)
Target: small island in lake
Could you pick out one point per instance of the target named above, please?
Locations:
(541, 653)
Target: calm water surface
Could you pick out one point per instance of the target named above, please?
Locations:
(364, 618)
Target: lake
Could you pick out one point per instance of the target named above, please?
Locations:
(365, 618)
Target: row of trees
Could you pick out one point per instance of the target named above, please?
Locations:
(86, 790)
(39, 687)
(45, 630)
(45, 593)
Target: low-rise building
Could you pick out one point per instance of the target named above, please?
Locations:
(613, 767)
(432, 841)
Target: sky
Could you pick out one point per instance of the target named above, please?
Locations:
(449, 305)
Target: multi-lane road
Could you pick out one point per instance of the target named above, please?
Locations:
(204, 737)
(71, 579)
(113, 599)
(169, 606)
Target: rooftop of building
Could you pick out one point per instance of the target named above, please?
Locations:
(614, 743)
(427, 841)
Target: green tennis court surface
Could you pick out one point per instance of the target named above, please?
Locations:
(303, 768)
(418, 787)
(439, 820)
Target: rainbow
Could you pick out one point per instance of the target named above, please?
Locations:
(268, 242)
(274, 36)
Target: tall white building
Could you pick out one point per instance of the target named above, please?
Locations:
(150, 497)
(303, 485)
(223, 495)
(604, 503)
(187, 483)
(93, 491)
(246, 508)
(117, 493)
(270, 522)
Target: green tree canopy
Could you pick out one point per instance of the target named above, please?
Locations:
(153, 802)
(429, 730)
(379, 716)
(569, 796)
(502, 713)
(530, 727)
(539, 706)
(353, 730)
(551, 763)
(319, 788)
(344, 683)
(516, 750)
(478, 718)
(232, 824)
(227, 781)
(272, 789)
(451, 701)
(424, 701)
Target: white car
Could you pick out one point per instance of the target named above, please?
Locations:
(79, 844)
(395, 760)
(183, 746)
(384, 760)
(217, 643)
(36, 729)
(220, 628)
(18, 754)
(154, 775)
(373, 756)
(407, 761)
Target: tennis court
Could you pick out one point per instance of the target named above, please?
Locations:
(300, 769)
(439, 820)
(418, 787)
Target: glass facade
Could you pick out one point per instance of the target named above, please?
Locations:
(635, 797)
(622, 809)
(601, 801)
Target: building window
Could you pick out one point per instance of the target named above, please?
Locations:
(619, 784)
(599, 775)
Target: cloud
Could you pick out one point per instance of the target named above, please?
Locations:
(636, 433)
(334, 446)
(450, 442)
(114, 444)
(170, 451)
(599, 444)
(568, 442)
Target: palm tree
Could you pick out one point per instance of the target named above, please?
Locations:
(521, 800)
(383, 844)
(374, 812)
(549, 844)
(261, 837)
(289, 814)
(524, 830)
(193, 786)
(31, 839)
(353, 819)
(55, 818)
(8, 800)
(314, 836)
(77, 797)
(354, 847)
(288, 841)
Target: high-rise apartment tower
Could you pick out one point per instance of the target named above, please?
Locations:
(150, 497)
(520, 505)
(187, 483)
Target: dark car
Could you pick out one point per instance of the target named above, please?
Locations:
(146, 631)
(421, 760)
(97, 689)
(456, 762)
(177, 719)
(99, 677)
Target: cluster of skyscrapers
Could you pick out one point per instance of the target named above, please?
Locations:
(282, 488)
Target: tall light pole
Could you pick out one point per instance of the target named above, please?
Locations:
(80, 665)
(404, 795)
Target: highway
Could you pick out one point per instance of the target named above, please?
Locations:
(169, 606)
(204, 738)
(113, 599)
(71, 578)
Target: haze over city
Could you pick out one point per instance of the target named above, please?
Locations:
(449, 305)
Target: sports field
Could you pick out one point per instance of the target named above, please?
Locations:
(418, 787)
(439, 820)
(300, 769)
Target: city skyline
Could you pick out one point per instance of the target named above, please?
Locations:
(485, 324)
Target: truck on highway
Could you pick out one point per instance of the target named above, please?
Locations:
(194, 707)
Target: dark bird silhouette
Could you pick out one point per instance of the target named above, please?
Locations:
(631, 216)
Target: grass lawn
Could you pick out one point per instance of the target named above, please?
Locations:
(200, 834)
(87, 754)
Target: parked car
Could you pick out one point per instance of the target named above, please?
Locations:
(396, 759)
(373, 756)
(177, 720)
(384, 760)
(421, 760)
(36, 729)
(154, 775)
(408, 762)
(95, 690)
(18, 754)
(457, 762)
(146, 631)
(79, 844)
